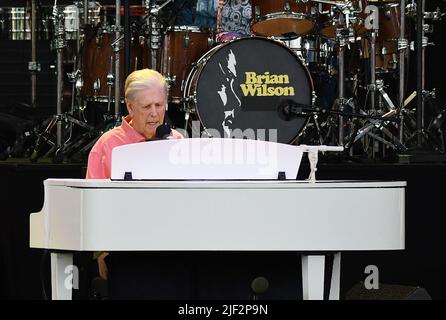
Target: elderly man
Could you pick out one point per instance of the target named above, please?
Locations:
(146, 99)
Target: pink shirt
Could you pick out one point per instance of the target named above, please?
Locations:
(99, 159)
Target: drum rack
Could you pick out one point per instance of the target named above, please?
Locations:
(338, 27)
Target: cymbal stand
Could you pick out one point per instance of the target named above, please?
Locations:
(384, 98)
(33, 66)
(110, 83)
(116, 50)
(59, 45)
(402, 49)
(343, 36)
(422, 41)
(371, 87)
(85, 22)
(155, 29)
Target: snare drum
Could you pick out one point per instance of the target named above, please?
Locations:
(238, 89)
(282, 18)
(182, 47)
(99, 62)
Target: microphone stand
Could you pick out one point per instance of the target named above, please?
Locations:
(299, 109)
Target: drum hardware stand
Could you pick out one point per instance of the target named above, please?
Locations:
(116, 48)
(420, 49)
(290, 109)
(60, 45)
(421, 152)
(393, 111)
(33, 66)
(371, 88)
(155, 27)
(381, 125)
(187, 110)
(342, 37)
(60, 117)
(110, 82)
(75, 79)
(402, 49)
(127, 38)
(68, 145)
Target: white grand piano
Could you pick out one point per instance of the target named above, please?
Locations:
(246, 198)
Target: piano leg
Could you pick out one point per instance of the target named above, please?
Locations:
(63, 276)
(335, 283)
(313, 269)
(313, 277)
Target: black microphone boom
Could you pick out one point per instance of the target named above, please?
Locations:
(163, 132)
(289, 109)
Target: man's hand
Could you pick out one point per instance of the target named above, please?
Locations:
(103, 270)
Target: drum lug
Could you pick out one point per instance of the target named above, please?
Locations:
(286, 6)
(79, 84)
(97, 86)
(313, 97)
(186, 39)
(34, 66)
(210, 42)
(257, 12)
(402, 44)
(170, 79)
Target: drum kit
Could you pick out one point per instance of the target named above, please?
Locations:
(316, 72)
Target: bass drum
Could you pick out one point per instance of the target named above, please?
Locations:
(239, 89)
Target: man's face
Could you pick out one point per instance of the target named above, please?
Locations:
(147, 110)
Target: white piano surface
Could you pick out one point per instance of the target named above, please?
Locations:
(215, 215)
(220, 215)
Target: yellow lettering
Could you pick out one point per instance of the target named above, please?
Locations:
(271, 91)
(257, 85)
(251, 77)
(274, 79)
(248, 89)
(284, 78)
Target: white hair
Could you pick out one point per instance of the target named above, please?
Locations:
(142, 80)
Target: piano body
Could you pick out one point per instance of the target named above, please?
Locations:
(267, 214)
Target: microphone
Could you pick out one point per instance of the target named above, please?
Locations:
(163, 132)
(259, 285)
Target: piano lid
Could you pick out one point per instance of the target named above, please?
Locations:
(206, 159)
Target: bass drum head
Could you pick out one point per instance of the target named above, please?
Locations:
(241, 86)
